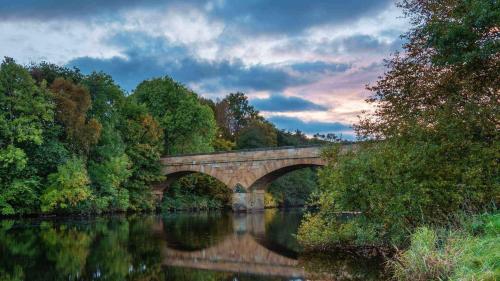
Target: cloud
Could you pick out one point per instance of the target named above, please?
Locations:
(148, 56)
(313, 127)
(280, 103)
(222, 75)
(293, 16)
(261, 16)
(319, 67)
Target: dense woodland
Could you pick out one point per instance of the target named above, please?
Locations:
(430, 181)
(75, 143)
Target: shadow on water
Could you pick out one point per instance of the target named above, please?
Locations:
(184, 246)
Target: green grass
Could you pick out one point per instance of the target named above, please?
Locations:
(469, 253)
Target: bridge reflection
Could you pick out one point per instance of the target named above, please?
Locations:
(227, 242)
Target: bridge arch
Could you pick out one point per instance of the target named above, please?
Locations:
(250, 170)
(263, 182)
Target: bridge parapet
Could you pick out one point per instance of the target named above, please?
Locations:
(256, 155)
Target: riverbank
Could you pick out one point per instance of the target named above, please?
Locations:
(467, 251)
(471, 252)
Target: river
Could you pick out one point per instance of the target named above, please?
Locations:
(179, 246)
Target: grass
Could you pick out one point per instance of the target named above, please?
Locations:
(469, 253)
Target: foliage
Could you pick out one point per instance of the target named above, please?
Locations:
(57, 120)
(436, 126)
(109, 165)
(398, 186)
(107, 98)
(72, 104)
(48, 72)
(447, 80)
(294, 188)
(68, 188)
(454, 255)
(269, 201)
(256, 134)
(109, 170)
(144, 142)
(188, 125)
(233, 113)
(25, 109)
(196, 192)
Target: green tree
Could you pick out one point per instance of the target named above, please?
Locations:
(188, 125)
(109, 169)
(109, 165)
(68, 188)
(143, 138)
(257, 134)
(25, 110)
(106, 96)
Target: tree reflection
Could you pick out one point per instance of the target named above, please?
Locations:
(137, 247)
(196, 231)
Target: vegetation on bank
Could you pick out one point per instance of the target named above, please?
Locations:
(431, 150)
(471, 252)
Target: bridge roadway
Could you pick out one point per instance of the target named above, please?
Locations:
(246, 172)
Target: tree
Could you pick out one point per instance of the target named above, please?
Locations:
(257, 134)
(233, 113)
(72, 104)
(109, 165)
(437, 121)
(48, 72)
(143, 138)
(106, 96)
(25, 110)
(188, 125)
(68, 188)
(109, 169)
(448, 78)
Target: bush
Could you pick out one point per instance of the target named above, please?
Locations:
(399, 185)
(68, 188)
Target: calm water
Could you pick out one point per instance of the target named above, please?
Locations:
(202, 246)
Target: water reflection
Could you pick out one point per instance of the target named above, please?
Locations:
(208, 246)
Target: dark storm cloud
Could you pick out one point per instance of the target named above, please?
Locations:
(313, 127)
(261, 16)
(280, 103)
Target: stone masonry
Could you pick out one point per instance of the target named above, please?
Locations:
(246, 172)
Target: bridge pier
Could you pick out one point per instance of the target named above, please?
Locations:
(248, 202)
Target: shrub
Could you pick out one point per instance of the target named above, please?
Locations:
(453, 255)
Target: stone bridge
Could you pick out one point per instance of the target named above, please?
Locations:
(246, 172)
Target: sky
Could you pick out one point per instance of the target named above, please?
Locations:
(303, 64)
